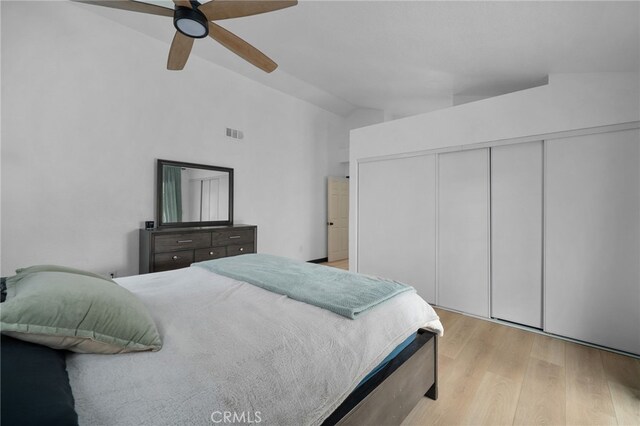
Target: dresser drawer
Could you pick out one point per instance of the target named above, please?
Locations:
(210, 253)
(173, 248)
(174, 260)
(237, 249)
(164, 243)
(232, 237)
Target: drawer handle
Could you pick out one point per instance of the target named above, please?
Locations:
(210, 253)
(233, 237)
(175, 258)
(184, 241)
(241, 248)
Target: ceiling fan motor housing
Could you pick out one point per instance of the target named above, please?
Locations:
(191, 22)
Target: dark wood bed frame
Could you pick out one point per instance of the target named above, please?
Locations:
(390, 395)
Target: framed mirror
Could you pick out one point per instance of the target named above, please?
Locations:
(193, 195)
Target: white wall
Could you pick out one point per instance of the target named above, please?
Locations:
(568, 102)
(359, 117)
(88, 107)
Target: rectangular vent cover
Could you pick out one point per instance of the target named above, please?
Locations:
(235, 134)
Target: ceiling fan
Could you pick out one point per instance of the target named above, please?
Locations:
(192, 20)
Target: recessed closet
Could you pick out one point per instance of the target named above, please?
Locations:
(544, 234)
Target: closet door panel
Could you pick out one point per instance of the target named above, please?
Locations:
(463, 231)
(396, 221)
(516, 233)
(592, 252)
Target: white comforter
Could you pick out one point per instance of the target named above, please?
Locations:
(232, 347)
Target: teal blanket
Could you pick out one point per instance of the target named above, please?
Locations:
(339, 291)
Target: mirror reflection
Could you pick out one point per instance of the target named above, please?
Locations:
(193, 194)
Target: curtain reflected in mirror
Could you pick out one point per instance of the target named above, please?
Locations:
(172, 194)
(194, 194)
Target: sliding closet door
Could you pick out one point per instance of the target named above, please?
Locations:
(396, 221)
(516, 233)
(463, 231)
(592, 253)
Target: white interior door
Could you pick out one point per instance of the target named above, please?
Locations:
(338, 218)
(516, 233)
(463, 231)
(397, 221)
(592, 250)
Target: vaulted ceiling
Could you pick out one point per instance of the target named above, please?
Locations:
(408, 57)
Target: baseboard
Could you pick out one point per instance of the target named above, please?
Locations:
(321, 260)
(539, 331)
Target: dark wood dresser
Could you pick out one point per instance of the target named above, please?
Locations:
(165, 249)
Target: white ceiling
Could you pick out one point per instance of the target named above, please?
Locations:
(408, 57)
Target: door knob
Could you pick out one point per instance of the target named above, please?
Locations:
(330, 223)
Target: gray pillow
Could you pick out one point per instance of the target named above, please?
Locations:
(81, 312)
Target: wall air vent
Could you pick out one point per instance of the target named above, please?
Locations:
(235, 134)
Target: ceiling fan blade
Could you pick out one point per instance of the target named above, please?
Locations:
(241, 48)
(183, 3)
(225, 9)
(179, 52)
(133, 6)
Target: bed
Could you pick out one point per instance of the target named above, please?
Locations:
(237, 353)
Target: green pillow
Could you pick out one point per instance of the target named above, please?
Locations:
(76, 311)
(22, 272)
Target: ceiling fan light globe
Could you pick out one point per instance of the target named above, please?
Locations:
(191, 22)
(191, 28)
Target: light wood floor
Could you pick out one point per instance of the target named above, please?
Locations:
(340, 264)
(492, 374)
